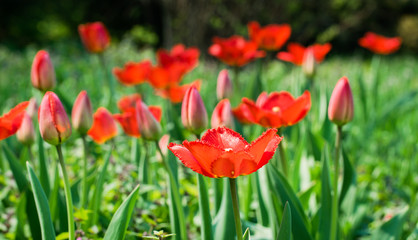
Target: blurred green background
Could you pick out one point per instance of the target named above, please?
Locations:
(162, 23)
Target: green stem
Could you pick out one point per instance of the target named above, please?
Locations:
(235, 206)
(236, 80)
(68, 197)
(176, 194)
(283, 160)
(334, 211)
(85, 173)
(109, 81)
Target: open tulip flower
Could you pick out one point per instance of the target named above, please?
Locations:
(380, 44)
(296, 53)
(235, 51)
(165, 77)
(133, 73)
(271, 37)
(221, 152)
(175, 93)
(279, 109)
(104, 126)
(11, 121)
(179, 54)
(94, 36)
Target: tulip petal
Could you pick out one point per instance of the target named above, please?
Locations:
(11, 121)
(298, 110)
(224, 138)
(263, 147)
(230, 164)
(205, 154)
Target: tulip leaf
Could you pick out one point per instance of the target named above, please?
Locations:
(281, 187)
(392, 229)
(122, 217)
(206, 227)
(246, 235)
(17, 169)
(326, 199)
(43, 168)
(349, 176)
(42, 206)
(285, 231)
(261, 210)
(223, 229)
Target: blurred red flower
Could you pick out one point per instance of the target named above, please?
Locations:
(104, 126)
(179, 54)
(94, 36)
(175, 93)
(296, 52)
(275, 110)
(235, 51)
(11, 121)
(128, 102)
(165, 77)
(224, 153)
(380, 44)
(133, 73)
(271, 37)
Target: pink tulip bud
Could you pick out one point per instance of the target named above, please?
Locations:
(82, 113)
(32, 109)
(26, 132)
(222, 115)
(193, 111)
(54, 124)
(309, 62)
(224, 85)
(42, 73)
(341, 107)
(149, 127)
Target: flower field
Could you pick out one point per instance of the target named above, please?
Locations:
(255, 137)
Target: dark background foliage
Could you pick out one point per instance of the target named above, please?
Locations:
(194, 22)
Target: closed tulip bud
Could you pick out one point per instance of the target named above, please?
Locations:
(82, 113)
(54, 124)
(224, 85)
(94, 36)
(26, 132)
(341, 107)
(222, 115)
(193, 111)
(32, 109)
(42, 73)
(308, 65)
(149, 127)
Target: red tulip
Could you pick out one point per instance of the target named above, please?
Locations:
(178, 54)
(222, 115)
(193, 111)
(11, 121)
(94, 36)
(26, 132)
(341, 107)
(276, 110)
(133, 73)
(82, 113)
(235, 51)
(296, 53)
(128, 102)
(224, 153)
(149, 127)
(104, 126)
(239, 113)
(165, 77)
(54, 124)
(224, 85)
(380, 44)
(271, 37)
(176, 93)
(42, 72)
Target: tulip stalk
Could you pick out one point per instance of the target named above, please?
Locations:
(236, 79)
(283, 160)
(334, 209)
(235, 206)
(109, 80)
(176, 195)
(68, 197)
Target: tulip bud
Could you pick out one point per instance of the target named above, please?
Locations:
(32, 109)
(42, 73)
(54, 124)
(224, 85)
(82, 113)
(149, 127)
(193, 111)
(222, 115)
(309, 62)
(341, 107)
(94, 36)
(26, 132)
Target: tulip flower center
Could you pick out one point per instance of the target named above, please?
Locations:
(276, 109)
(229, 150)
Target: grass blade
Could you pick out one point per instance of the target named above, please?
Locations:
(285, 231)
